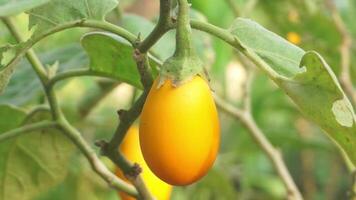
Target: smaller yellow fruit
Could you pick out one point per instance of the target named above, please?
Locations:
(294, 38)
(131, 149)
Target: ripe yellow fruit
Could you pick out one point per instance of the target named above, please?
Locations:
(294, 38)
(131, 149)
(179, 131)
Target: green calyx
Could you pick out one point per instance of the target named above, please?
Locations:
(184, 64)
(180, 70)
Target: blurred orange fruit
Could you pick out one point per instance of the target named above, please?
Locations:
(131, 149)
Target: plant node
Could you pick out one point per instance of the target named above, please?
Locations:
(134, 171)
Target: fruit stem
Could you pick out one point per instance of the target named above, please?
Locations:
(184, 45)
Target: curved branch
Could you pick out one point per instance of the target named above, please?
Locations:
(233, 41)
(70, 74)
(30, 54)
(273, 154)
(27, 129)
(163, 25)
(94, 161)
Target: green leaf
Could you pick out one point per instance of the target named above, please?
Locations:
(24, 85)
(58, 12)
(5, 73)
(281, 55)
(111, 56)
(14, 54)
(81, 183)
(5, 76)
(320, 97)
(14, 116)
(307, 79)
(32, 163)
(11, 7)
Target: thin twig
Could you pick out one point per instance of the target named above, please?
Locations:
(273, 154)
(27, 129)
(345, 47)
(30, 54)
(96, 164)
(70, 74)
(307, 159)
(247, 89)
(352, 192)
(233, 41)
(127, 118)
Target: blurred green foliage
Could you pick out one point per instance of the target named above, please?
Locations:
(242, 170)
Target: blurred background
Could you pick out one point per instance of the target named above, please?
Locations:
(242, 170)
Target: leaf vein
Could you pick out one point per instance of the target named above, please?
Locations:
(43, 18)
(37, 160)
(88, 9)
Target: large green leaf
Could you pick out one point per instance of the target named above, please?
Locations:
(319, 96)
(282, 56)
(112, 56)
(307, 79)
(24, 84)
(81, 183)
(12, 7)
(30, 163)
(58, 12)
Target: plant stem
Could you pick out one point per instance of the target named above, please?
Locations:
(70, 74)
(273, 154)
(163, 25)
(126, 120)
(94, 161)
(233, 41)
(31, 56)
(184, 44)
(37, 66)
(27, 129)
